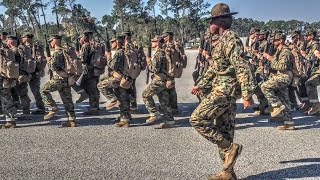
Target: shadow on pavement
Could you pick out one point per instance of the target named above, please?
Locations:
(304, 171)
(306, 160)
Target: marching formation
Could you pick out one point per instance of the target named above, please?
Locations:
(83, 69)
(268, 66)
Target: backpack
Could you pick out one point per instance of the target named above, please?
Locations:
(297, 62)
(73, 64)
(28, 63)
(98, 60)
(175, 61)
(9, 68)
(132, 66)
(39, 57)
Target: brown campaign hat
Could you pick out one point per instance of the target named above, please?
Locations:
(221, 10)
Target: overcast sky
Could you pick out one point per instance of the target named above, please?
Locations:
(264, 10)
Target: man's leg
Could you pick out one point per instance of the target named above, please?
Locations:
(34, 84)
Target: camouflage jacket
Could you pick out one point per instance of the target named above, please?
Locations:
(311, 47)
(283, 60)
(57, 62)
(159, 62)
(233, 74)
(85, 53)
(18, 52)
(116, 62)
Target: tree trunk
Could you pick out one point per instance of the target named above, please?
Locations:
(56, 13)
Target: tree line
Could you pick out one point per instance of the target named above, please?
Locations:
(186, 18)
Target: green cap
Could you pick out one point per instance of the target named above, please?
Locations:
(311, 32)
(4, 33)
(87, 32)
(167, 33)
(157, 39)
(279, 35)
(27, 35)
(254, 30)
(117, 38)
(55, 36)
(12, 37)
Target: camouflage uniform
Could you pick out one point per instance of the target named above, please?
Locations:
(314, 79)
(275, 89)
(58, 83)
(8, 106)
(158, 87)
(214, 118)
(261, 76)
(90, 81)
(35, 82)
(109, 84)
(21, 89)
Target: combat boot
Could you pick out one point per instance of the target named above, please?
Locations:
(83, 97)
(9, 124)
(277, 111)
(231, 155)
(166, 125)
(153, 117)
(38, 111)
(223, 175)
(176, 111)
(91, 112)
(315, 108)
(284, 127)
(122, 124)
(50, 115)
(305, 107)
(112, 105)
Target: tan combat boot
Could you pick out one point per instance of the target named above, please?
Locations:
(231, 156)
(83, 97)
(153, 117)
(9, 124)
(277, 111)
(112, 105)
(166, 125)
(122, 124)
(315, 108)
(50, 115)
(223, 175)
(285, 127)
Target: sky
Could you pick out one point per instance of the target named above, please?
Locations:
(262, 10)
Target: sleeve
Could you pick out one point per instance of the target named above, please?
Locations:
(85, 53)
(156, 62)
(310, 56)
(207, 78)
(116, 62)
(244, 73)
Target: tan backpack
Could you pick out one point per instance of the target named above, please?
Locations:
(73, 63)
(98, 59)
(27, 64)
(9, 68)
(132, 66)
(175, 61)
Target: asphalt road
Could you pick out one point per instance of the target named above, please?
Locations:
(98, 150)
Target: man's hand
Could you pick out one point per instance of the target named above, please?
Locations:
(247, 103)
(148, 59)
(107, 54)
(196, 91)
(267, 56)
(48, 59)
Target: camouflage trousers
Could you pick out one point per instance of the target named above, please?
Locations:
(20, 94)
(89, 84)
(110, 85)
(311, 86)
(157, 87)
(275, 89)
(133, 94)
(8, 107)
(214, 118)
(108, 92)
(64, 89)
(263, 102)
(302, 89)
(173, 98)
(34, 84)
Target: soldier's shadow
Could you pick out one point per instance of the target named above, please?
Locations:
(302, 171)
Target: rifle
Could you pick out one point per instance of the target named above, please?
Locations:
(108, 45)
(149, 56)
